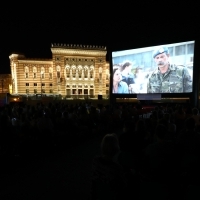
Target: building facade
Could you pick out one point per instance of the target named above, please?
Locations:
(75, 71)
(5, 83)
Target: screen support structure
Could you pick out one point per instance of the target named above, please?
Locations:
(194, 99)
(149, 96)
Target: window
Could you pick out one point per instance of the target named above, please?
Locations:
(42, 72)
(35, 84)
(85, 91)
(67, 71)
(50, 72)
(91, 86)
(58, 74)
(43, 90)
(26, 72)
(107, 85)
(42, 75)
(50, 91)
(26, 69)
(180, 50)
(86, 73)
(27, 91)
(190, 48)
(73, 72)
(35, 91)
(50, 84)
(27, 84)
(34, 72)
(43, 84)
(34, 69)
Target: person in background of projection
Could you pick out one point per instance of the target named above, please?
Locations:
(168, 78)
(127, 75)
(140, 80)
(119, 86)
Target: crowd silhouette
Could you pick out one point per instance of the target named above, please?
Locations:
(153, 154)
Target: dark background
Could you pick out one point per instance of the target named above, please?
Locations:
(30, 28)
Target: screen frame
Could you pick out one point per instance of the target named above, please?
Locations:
(163, 95)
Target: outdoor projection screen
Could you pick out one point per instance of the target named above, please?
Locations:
(139, 71)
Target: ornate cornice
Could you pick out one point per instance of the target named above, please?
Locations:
(77, 46)
(84, 50)
(17, 56)
(50, 62)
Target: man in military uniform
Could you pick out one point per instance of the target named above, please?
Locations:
(168, 78)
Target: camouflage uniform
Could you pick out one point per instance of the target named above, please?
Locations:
(176, 80)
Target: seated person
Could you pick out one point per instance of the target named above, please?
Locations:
(108, 175)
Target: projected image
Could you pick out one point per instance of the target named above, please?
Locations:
(158, 69)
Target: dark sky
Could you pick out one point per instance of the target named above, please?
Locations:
(31, 29)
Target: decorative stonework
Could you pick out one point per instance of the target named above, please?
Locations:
(73, 69)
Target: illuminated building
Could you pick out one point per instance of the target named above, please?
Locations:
(5, 83)
(75, 71)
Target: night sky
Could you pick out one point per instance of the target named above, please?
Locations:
(31, 29)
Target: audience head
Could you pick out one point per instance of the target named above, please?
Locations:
(140, 125)
(172, 128)
(190, 123)
(195, 111)
(110, 145)
(160, 131)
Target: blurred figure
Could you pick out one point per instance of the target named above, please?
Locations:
(127, 75)
(119, 86)
(140, 80)
(108, 176)
(168, 78)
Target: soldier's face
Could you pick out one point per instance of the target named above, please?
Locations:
(162, 60)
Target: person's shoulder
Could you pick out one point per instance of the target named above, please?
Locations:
(177, 67)
(153, 73)
(122, 83)
(180, 69)
(131, 74)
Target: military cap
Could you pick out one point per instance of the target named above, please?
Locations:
(159, 50)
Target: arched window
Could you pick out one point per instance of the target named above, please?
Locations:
(26, 69)
(58, 71)
(67, 71)
(50, 72)
(86, 72)
(74, 71)
(80, 69)
(100, 73)
(34, 72)
(92, 71)
(42, 72)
